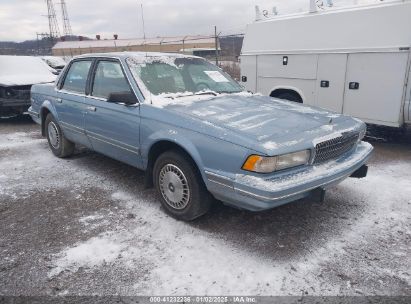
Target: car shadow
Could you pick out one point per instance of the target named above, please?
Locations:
(17, 120)
(20, 123)
(376, 134)
(294, 229)
(291, 230)
(130, 178)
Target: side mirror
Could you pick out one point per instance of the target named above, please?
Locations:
(128, 98)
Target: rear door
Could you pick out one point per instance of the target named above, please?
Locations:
(112, 128)
(374, 89)
(331, 81)
(71, 104)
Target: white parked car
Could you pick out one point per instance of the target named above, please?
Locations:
(55, 62)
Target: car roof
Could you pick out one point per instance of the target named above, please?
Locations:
(141, 55)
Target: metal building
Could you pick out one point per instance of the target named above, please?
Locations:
(197, 45)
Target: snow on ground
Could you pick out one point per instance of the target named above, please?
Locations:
(95, 252)
(355, 243)
(189, 261)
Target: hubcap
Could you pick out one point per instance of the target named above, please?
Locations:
(174, 187)
(54, 136)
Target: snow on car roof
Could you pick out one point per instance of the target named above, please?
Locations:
(24, 70)
(54, 61)
(139, 55)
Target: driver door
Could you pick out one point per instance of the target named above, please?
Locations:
(112, 128)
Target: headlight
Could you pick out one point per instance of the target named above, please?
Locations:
(261, 164)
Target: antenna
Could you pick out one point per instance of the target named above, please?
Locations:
(142, 18)
(66, 21)
(53, 25)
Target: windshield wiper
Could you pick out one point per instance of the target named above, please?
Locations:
(229, 92)
(190, 95)
(206, 93)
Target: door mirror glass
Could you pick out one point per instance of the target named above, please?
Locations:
(127, 98)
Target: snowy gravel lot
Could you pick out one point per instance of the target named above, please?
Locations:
(87, 226)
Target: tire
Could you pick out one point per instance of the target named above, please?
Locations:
(290, 97)
(180, 187)
(59, 145)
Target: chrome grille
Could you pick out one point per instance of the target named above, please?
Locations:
(334, 148)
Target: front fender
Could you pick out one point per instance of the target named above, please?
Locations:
(179, 138)
(47, 107)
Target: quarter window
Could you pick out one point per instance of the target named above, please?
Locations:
(109, 78)
(76, 78)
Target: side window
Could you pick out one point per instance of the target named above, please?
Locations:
(76, 78)
(109, 78)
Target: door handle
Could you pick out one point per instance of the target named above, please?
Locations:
(325, 84)
(354, 85)
(92, 109)
(59, 100)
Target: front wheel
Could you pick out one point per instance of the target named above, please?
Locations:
(180, 187)
(58, 143)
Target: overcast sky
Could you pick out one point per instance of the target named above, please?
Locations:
(21, 19)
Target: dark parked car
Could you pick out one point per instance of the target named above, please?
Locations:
(17, 75)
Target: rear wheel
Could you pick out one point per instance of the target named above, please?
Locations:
(180, 187)
(59, 145)
(291, 96)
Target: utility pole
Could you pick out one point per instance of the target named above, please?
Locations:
(142, 18)
(66, 21)
(184, 44)
(216, 45)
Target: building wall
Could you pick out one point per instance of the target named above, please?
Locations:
(167, 48)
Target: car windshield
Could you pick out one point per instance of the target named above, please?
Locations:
(181, 76)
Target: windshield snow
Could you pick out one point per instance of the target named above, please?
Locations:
(181, 76)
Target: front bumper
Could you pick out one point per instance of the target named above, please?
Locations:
(34, 115)
(258, 193)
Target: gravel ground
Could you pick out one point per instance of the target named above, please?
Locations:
(87, 226)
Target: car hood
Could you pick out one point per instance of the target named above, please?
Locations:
(261, 123)
(24, 70)
(258, 116)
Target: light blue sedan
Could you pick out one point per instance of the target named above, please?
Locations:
(196, 134)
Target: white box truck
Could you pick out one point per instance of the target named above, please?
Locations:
(353, 60)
